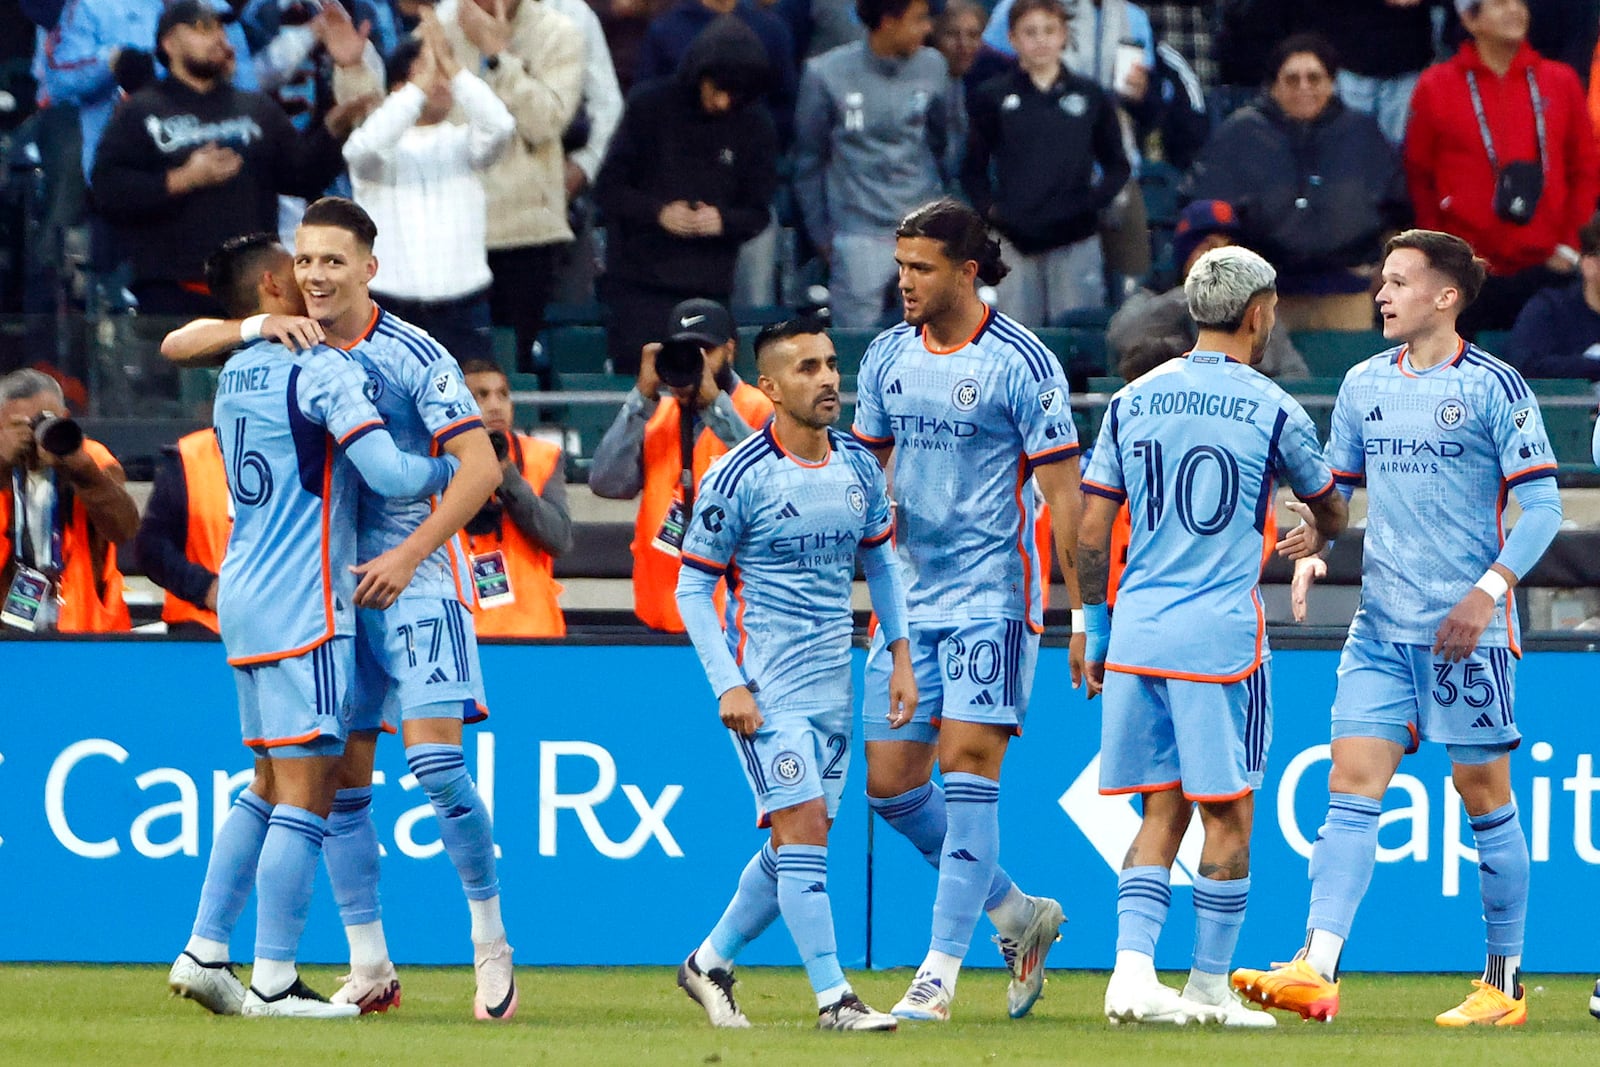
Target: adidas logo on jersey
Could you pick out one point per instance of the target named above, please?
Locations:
(438, 675)
(1483, 722)
(963, 854)
(983, 698)
(894, 387)
(789, 511)
(815, 887)
(1375, 415)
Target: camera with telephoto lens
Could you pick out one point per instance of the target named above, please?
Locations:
(680, 364)
(56, 434)
(502, 444)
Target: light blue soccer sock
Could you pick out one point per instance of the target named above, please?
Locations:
(351, 852)
(231, 870)
(1218, 916)
(969, 859)
(753, 908)
(803, 899)
(1342, 860)
(284, 878)
(918, 815)
(1503, 881)
(464, 824)
(1144, 894)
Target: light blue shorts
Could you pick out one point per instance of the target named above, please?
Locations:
(1209, 739)
(976, 670)
(1405, 694)
(798, 754)
(296, 707)
(412, 656)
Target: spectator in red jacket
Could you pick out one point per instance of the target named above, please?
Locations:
(1483, 172)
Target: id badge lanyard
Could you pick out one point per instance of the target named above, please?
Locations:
(22, 542)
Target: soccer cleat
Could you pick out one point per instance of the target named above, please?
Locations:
(1025, 955)
(926, 1001)
(1295, 986)
(848, 1013)
(213, 986)
(496, 998)
(375, 992)
(713, 991)
(1594, 1001)
(1140, 998)
(1487, 1005)
(299, 1001)
(1231, 1009)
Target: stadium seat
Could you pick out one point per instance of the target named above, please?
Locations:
(505, 348)
(576, 349)
(1568, 406)
(1158, 184)
(1329, 353)
(1494, 342)
(1081, 349)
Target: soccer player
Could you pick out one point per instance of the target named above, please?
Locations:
(968, 403)
(1195, 448)
(784, 516)
(1440, 432)
(285, 607)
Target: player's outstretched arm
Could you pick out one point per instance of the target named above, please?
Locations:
(1094, 561)
(209, 342)
(1059, 482)
(396, 474)
(383, 578)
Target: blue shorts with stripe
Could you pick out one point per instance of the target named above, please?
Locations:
(974, 670)
(798, 754)
(297, 707)
(1209, 739)
(1406, 694)
(412, 656)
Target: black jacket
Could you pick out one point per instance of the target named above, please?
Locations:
(667, 148)
(1311, 196)
(156, 129)
(165, 531)
(1045, 191)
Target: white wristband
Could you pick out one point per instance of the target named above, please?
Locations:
(250, 329)
(1494, 584)
(1077, 620)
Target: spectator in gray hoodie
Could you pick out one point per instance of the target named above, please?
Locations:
(871, 143)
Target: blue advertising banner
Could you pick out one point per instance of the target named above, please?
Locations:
(623, 820)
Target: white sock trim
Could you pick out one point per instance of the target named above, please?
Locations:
(486, 924)
(206, 950)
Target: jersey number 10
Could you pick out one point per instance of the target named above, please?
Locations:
(1183, 496)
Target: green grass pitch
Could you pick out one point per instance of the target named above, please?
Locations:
(636, 1016)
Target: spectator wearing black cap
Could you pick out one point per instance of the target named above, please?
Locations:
(1557, 333)
(642, 454)
(1162, 317)
(688, 178)
(189, 161)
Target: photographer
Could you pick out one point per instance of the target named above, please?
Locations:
(643, 451)
(63, 510)
(519, 531)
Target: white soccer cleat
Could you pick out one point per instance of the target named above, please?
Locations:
(1025, 955)
(375, 991)
(848, 1013)
(1231, 1010)
(299, 1001)
(1138, 998)
(496, 998)
(213, 986)
(928, 1000)
(713, 991)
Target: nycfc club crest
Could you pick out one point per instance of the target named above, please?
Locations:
(857, 500)
(965, 396)
(373, 389)
(1450, 414)
(788, 768)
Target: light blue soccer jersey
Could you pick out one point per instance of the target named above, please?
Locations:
(967, 427)
(1196, 447)
(286, 585)
(418, 389)
(786, 532)
(1438, 450)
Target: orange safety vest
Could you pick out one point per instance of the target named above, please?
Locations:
(536, 611)
(655, 573)
(90, 604)
(209, 524)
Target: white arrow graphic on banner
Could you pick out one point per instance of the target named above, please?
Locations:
(1110, 824)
